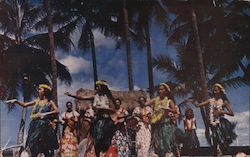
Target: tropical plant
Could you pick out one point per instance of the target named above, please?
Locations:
(24, 51)
(52, 49)
(18, 23)
(145, 14)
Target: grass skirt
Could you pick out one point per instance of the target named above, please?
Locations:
(223, 133)
(41, 136)
(102, 131)
(165, 137)
(191, 140)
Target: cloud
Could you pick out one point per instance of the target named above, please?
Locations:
(76, 64)
(241, 118)
(102, 41)
(242, 129)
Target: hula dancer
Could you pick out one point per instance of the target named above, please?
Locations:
(164, 131)
(42, 133)
(102, 128)
(69, 141)
(222, 130)
(191, 142)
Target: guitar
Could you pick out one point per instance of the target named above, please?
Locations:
(120, 118)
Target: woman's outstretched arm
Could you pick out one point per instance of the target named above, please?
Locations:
(79, 97)
(21, 103)
(202, 104)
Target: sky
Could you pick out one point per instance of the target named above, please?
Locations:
(111, 66)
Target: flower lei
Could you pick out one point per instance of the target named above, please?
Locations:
(157, 111)
(36, 115)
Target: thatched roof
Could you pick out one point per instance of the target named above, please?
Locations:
(129, 98)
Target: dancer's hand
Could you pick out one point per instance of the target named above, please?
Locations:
(42, 115)
(218, 113)
(12, 101)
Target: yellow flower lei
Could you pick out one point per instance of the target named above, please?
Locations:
(35, 115)
(157, 111)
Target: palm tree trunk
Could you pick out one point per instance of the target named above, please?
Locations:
(200, 64)
(26, 97)
(149, 60)
(18, 23)
(128, 48)
(93, 56)
(52, 52)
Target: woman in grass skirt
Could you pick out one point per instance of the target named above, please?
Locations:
(164, 131)
(102, 126)
(191, 142)
(42, 130)
(222, 130)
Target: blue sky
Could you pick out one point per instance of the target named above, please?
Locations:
(112, 67)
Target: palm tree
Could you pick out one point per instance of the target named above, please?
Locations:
(52, 50)
(86, 15)
(87, 40)
(16, 20)
(147, 12)
(218, 32)
(33, 62)
(201, 68)
(128, 48)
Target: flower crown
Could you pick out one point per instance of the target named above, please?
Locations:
(45, 86)
(101, 82)
(166, 86)
(220, 86)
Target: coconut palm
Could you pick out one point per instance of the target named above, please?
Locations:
(17, 22)
(147, 12)
(128, 48)
(52, 50)
(217, 32)
(86, 16)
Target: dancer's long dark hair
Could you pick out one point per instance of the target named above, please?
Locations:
(105, 91)
(47, 94)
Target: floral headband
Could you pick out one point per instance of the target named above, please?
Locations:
(101, 82)
(45, 86)
(220, 86)
(166, 86)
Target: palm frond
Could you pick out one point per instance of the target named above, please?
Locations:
(235, 82)
(178, 33)
(5, 42)
(166, 65)
(85, 38)
(7, 18)
(30, 61)
(30, 17)
(62, 39)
